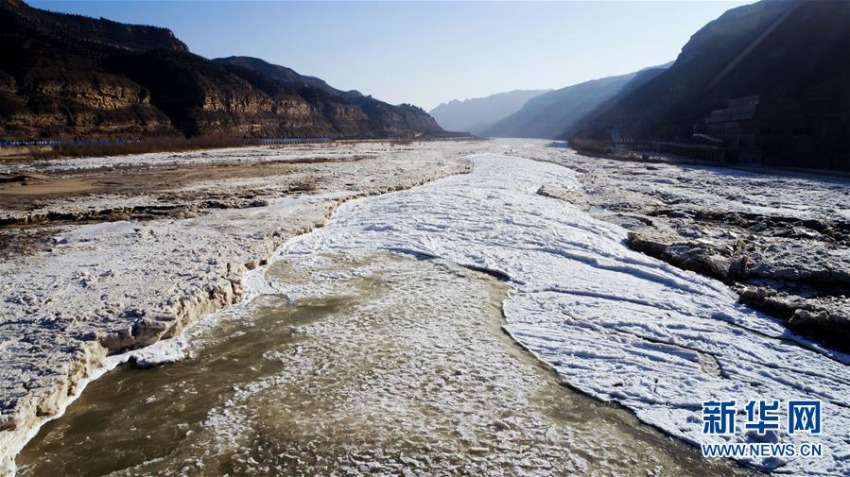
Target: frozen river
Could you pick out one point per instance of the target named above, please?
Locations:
(614, 323)
(373, 346)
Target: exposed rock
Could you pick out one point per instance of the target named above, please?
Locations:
(779, 240)
(700, 258)
(833, 328)
(118, 340)
(68, 76)
(789, 55)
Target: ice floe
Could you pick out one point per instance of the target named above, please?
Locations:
(614, 323)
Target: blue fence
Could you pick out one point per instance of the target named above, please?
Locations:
(90, 142)
(76, 142)
(286, 140)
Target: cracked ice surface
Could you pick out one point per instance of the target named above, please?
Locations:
(614, 323)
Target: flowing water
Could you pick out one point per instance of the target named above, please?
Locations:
(379, 364)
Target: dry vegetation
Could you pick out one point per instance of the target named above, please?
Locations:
(163, 144)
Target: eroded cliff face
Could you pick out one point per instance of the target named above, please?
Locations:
(92, 104)
(333, 112)
(67, 76)
(791, 55)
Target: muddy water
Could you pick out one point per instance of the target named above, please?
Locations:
(361, 365)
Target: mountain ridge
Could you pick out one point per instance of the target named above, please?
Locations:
(133, 82)
(476, 114)
(766, 83)
(548, 115)
(284, 75)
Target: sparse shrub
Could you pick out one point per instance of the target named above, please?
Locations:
(163, 144)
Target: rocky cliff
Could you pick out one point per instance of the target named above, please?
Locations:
(785, 60)
(345, 113)
(68, 76)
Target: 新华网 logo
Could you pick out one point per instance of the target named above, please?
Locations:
(761, 417)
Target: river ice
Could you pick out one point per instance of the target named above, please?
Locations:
(614, 323)
(83, 286)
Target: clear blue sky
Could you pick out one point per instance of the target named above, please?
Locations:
(428, 52)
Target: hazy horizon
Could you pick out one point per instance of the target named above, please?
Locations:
(427, 53)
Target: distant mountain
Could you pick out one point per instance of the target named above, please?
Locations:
(580, 125)
(67, 76)
(549, 115)
(477, 114)
(769, 81)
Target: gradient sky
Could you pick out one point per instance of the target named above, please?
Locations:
(427, 52)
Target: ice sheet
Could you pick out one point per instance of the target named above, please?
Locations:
(614, 323)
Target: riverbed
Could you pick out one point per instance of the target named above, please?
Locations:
(477, 324)
(373, 363)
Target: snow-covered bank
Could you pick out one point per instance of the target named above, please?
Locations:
(614, 323)
(106, 287)
(780, 238)
(234, 155)
(340, 368)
